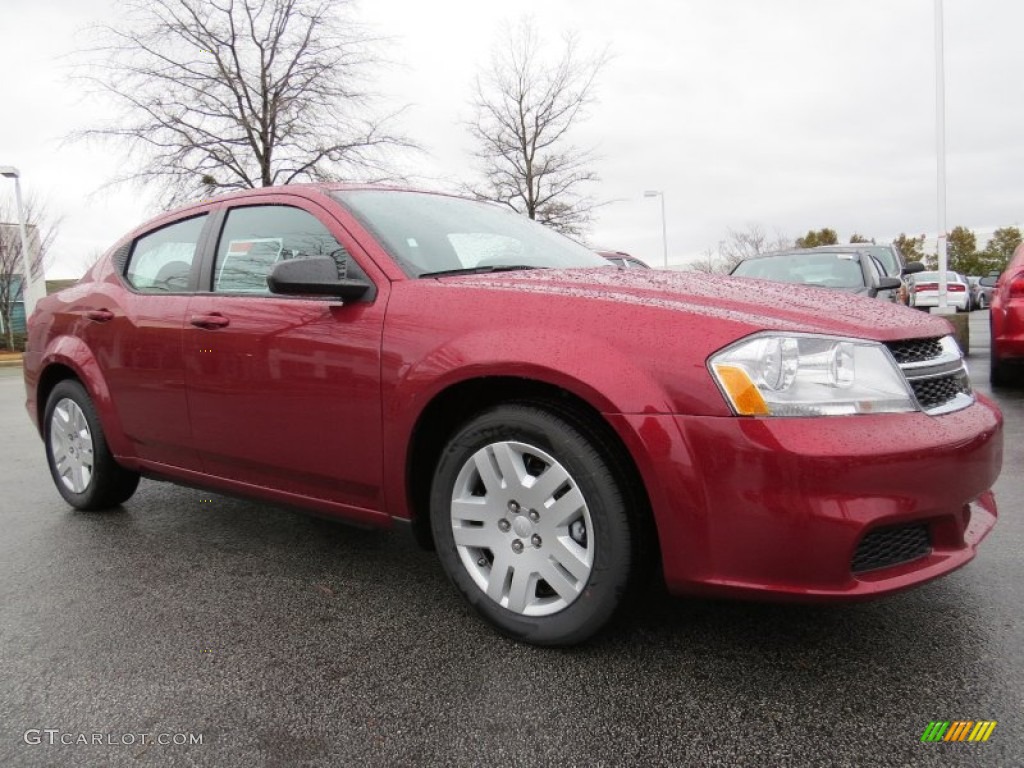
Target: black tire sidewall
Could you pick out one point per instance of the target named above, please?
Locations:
(109, 484)
(612, 536)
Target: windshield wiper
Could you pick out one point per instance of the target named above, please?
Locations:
(479, 270)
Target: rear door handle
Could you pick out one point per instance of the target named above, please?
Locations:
(210, 322)
(99, 315)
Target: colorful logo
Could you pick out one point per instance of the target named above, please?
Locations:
(958, 730)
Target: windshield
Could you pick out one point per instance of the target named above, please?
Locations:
(427, 233)
(830, 270)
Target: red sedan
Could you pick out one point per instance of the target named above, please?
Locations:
(550, 424)
(1006, 320)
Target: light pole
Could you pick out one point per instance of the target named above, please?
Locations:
(28, 290)
(940, 153)
(664, 230)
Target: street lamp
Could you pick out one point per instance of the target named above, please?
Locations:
(28, 291)
(940, 154)
(664, 231)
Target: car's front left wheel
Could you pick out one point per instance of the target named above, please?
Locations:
(83, 469)
(531, 524)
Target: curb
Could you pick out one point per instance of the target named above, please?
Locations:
(11, 362)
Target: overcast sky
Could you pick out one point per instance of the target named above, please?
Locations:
(791, 114)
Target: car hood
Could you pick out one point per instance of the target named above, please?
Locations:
(757, 304)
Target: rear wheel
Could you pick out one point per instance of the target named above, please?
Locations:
(81, 464)
(531, 525)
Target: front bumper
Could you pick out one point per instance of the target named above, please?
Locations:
(776, 508)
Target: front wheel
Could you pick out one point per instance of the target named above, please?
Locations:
(531, 525)
(81, 464)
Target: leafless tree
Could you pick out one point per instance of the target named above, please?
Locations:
(41, 229)
(709, 261)
(233, 94)
(525, 107)
(738, 245)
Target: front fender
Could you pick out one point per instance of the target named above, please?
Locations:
(588, 368)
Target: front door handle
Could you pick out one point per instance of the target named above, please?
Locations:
(99, 315)
(210, 322)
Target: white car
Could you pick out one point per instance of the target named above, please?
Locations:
(925, 291)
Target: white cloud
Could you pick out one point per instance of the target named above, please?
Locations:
(794, 114)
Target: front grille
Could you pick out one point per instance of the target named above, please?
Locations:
(915, 350)
(934, 368)
(934, 393)
(886, 547)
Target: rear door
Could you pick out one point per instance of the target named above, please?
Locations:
(135, 332)
(283, 391)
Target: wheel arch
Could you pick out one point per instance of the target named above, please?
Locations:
(455, 405)
(70, 358)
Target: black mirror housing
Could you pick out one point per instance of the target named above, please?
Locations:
(912, 268)
(889, 283)
(313, 276)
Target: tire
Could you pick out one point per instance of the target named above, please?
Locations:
(531, 525)
(81, 464)
(999, 372)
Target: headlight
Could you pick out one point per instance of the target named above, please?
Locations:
(794, 375)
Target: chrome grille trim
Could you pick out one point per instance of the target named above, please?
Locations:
(936, 372)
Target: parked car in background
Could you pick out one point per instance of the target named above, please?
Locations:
(624, 260)
(554, 427)
(851, 270)
(889, 256)
(973, 291)
(924, 291)
(1006, 321)
(986, 287)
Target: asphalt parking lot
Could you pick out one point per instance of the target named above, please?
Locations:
(284, 640)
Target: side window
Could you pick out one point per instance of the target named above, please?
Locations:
(161, 261)
(256, 237)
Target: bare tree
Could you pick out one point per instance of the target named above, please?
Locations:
(525, 108)
(234, 94)
(709, 262)
(41, 229)
(742, 244)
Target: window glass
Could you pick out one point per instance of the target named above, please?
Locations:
(830, 270)
(255, 238)
(428, 233)
(162, 261)
(884, 254)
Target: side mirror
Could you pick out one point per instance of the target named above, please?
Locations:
(313, 276)
(890, 283)
(912, 267)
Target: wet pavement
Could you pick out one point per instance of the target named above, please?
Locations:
(278, 639)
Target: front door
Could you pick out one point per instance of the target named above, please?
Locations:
(284, 392)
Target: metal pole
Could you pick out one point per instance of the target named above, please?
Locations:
(664, 227)
(940, 151)
(27, 294)
(664, 231)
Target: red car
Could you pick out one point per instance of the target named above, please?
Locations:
(551, 424)
(1006, 321)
